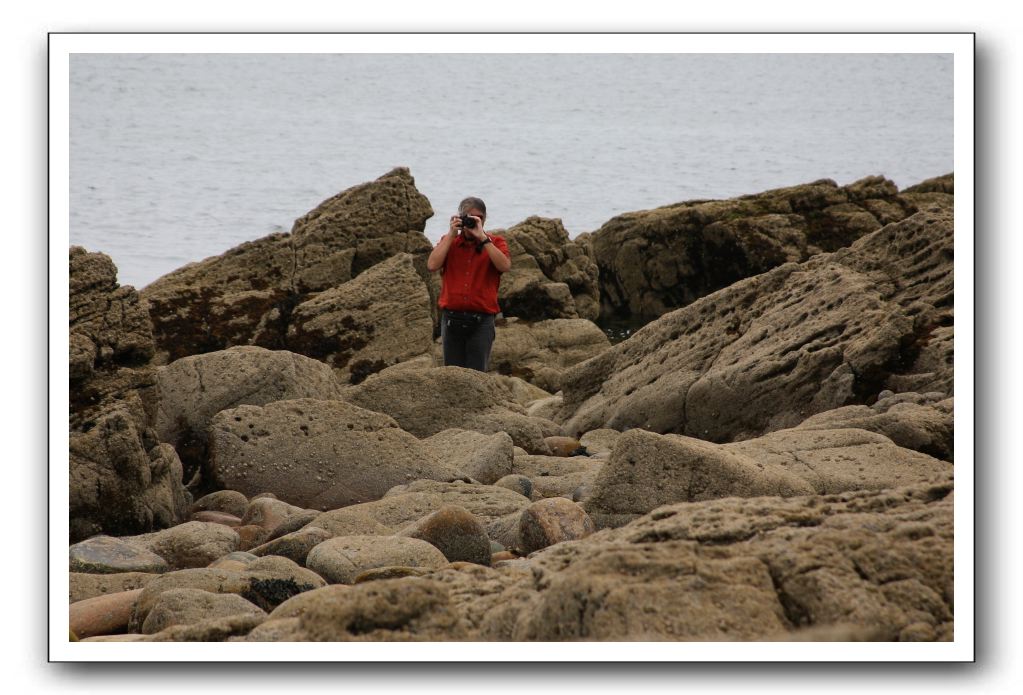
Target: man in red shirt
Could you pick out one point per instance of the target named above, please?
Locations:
(471, 262)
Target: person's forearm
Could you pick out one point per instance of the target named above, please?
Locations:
(439, 254)
(497, 257)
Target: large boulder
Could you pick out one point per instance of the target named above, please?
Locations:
(551, 277)
(647, 470)
(539, 352)
(194, 389)
(482, 457)
(316, 454)
(771, 350)
(339, 560)
(653, 261)
(406, 504)
(190, 606)
(380, 318)
(245, 296)
(427, 401)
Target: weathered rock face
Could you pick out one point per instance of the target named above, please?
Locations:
(921, 422)
(246, 295)
(539, 352)
(427, 401)
(194, 389)
(771, 350)
(109, 326)
(656, 260)
(482, 457)
(116, 487)
(380, 318)
(120, 481)
(190, 606)
(648, 470)
(551, 277)
(317, 454)
(340, 560)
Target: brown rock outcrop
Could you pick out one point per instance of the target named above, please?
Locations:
(539, 352)
(551, 276)
(771, 350)
(380, 318)
(245, 296)
(654, 261)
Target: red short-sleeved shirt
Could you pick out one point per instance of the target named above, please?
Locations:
(470, 280)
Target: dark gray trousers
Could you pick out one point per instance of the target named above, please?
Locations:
(471, 350)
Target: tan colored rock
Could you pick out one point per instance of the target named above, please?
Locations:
(108, 324)
(317, 454)
(539, 352)
(647, 470)
(599, 441)
(846, 459)
(223, 629)
(427, 401)
(769, 351)
(188, 545)
(391, 610)
(106, 614)
(295, 606)
(294, 546)
(485, 502)
(340, 559)
(190, 606)
(118, 487)
(380, 318)
(266, 582)
(653, 261)
(563, 446)
(226, 501)
(194, 389)
(85, 585)
(217, 518)
(551, 276)
(482, 457)
(243, 296)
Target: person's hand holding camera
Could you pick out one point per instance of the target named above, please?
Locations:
(472, 227)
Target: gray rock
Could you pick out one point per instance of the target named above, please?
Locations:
(540, 352)
(227, 501)
(517, 482)
(108, 555)
(294, 546)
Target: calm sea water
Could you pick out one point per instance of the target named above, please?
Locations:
(178, 157)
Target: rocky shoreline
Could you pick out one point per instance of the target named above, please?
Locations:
(263, 448)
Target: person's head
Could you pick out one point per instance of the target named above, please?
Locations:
(473, 206)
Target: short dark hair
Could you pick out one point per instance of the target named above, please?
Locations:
(470, 203)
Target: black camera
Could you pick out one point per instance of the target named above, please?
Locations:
(468, 222)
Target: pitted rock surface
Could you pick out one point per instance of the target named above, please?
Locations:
(771, 350)
(427, 401)
(317, 454)
(551, 276)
